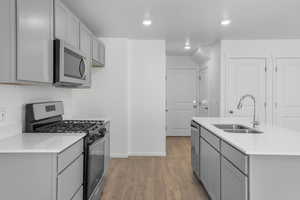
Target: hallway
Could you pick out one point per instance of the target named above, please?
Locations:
(155, 178)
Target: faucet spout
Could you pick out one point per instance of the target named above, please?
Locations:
(240, 105)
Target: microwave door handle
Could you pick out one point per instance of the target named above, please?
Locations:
(81, 68)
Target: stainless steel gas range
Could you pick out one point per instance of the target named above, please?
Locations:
(47, 117)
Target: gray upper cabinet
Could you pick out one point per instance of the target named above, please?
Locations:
(98, 53)
(26, 41)
(233, 182)
(7, 41)
(66, 25)
(210, 169)
(35, 40)
(85, 41)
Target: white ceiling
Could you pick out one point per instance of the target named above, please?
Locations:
(198, 20)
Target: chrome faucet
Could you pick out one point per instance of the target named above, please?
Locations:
(240, 105)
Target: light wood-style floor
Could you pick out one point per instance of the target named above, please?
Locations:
(155, 178)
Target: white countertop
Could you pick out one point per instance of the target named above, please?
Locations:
(273, 141)
(39, 142)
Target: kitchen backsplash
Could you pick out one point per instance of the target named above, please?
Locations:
(13, 99)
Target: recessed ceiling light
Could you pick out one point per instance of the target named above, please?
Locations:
(225, 22)
(147, 22)
(187, 47)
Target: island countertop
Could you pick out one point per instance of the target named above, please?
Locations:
(273, 141)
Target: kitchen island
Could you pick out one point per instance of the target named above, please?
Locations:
(246, 166)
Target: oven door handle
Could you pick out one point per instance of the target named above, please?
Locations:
(96, 141)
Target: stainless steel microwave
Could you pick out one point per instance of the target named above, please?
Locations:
(70, 65)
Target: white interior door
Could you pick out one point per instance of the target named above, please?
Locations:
(182, 86)
(246, 76)
(203, 93)
(287, 96)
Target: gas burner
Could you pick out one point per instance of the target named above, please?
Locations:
(73, 126)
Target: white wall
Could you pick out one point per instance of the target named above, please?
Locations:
(209, 58)
(180, 61)
(13, 98)
(108, 96)
(130, 90)
(269, 49)
(147, 94)
(214, 76)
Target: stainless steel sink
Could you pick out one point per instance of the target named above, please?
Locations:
(237, 128)
(231, 126)
(252, 131)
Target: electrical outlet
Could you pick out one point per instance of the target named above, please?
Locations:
(2, 114)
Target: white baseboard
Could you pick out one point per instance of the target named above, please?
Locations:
(179, 135)
(148, 154)
(118, 155)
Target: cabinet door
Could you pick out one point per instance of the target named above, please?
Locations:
(95, 50)
(287, 98)
(35, 40)
(61, 21)
(66, 25)
(7, 39)
(107, 150)
(101, 53)
(246, 76)
(73, 31)
(233, 182)
(210, 169)
(85, 41)
(195, 150)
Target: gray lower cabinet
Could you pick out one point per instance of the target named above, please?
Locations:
(221, 179)
(234, 183)
(210, 169)
(43, 176)
(195, 150)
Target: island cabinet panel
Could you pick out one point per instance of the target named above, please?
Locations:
(35, 40)
(210, 169)
(239, 159)
(211, 138)
(233, 182)
(195, 136)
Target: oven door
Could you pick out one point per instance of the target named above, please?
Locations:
(95, 165)
(71, 66)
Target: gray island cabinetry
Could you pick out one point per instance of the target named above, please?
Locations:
(235, 166)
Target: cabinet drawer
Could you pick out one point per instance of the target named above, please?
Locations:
(239, 159)
(67, 156)
(70, 180)
(79, 194)
(210, 138)
(234, 183)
